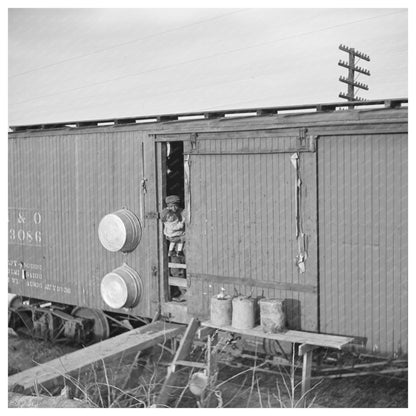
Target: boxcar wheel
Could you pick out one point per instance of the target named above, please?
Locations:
(19, 318)
(101, 327)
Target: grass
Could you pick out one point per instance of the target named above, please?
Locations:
(137, 385)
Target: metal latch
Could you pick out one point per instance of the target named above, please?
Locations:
(143, 185)
(152, 215)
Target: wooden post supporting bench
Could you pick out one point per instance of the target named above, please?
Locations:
(306, 351)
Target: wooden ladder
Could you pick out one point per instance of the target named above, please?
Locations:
(174, 280)
(179, 360)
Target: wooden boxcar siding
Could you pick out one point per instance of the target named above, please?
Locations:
(243, 224)
(363, 238)
(73, 181)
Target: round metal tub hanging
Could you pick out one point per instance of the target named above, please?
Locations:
(121, 288)
(120, 231)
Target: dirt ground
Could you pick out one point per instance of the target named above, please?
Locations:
(234, 387)
(25, 352)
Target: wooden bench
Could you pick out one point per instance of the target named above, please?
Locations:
(308, 342)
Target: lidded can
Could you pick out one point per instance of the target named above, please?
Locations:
(221, 309)
(244, 312)
(272, 316)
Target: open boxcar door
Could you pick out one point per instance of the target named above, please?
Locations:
(252, 203)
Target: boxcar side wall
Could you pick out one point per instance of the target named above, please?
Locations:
(60, 187)
(363, 238)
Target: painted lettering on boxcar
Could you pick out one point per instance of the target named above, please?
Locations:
(19, 270)
(58, 289)
(25, 227)
(30, 275)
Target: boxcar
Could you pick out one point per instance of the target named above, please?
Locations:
(305, 203)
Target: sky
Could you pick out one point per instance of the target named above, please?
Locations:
(87, 64)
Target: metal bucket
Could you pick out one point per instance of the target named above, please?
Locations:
(244, 312)
(120, 231)
(272, 316)
(121, 288)
(12, 298)
(221, 311)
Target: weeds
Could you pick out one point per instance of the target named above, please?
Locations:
(292, 388)
(137, 385)
(288, 386)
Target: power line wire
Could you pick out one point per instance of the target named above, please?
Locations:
(202, 86)
(201, 58)
(73, 58)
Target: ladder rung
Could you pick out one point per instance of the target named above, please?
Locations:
(178, 281)
(189, 364)
(177, 265)
(183, 351)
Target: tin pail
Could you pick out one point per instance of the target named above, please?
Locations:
(121, 288)
(221, 311)
(272, 316)
(244, 312)
(120, 231)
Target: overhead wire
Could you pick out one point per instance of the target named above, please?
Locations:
(199, 86)
(202, 58)
(118, 45)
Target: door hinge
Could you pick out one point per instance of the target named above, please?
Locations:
(306, 141)
(312, 143)
(193, 140)
(302, 137)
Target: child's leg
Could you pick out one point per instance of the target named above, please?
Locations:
(179, 247)
(171, 248)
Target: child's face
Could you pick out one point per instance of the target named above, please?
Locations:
(173, 207)
(170, 217)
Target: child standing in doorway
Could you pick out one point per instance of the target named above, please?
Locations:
(175, 233)
(174, 225)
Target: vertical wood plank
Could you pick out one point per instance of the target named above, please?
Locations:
(153, 226)
(378, 283)
(308, 173)
(161, 149)
(401, 344)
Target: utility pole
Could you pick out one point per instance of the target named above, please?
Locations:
(352, 69)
